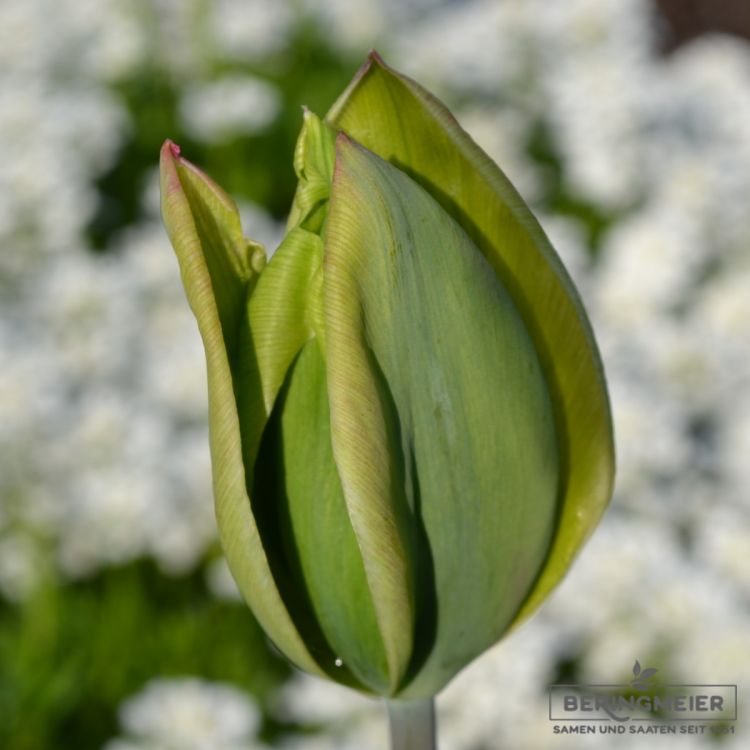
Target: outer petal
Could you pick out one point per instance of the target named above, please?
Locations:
(397, 119)
(439, 410)
(216, 264)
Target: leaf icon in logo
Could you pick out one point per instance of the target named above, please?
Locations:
(639, 682)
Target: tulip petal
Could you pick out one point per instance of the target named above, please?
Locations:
(413, 307)
(217, 268)
(313, 165)
(397, 119)
(300, 509)
(295, 495)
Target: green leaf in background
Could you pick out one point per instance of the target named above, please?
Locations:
(74, 651)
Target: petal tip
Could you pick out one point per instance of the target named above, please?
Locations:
(364, 69)
(169, 157)
(373, 56)
(343, 139)
(170, 148)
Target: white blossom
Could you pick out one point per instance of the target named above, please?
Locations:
(228, 106)
(191, 714)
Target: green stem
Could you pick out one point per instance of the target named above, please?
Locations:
(412, 724)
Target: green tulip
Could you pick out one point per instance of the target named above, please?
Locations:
(409, 423)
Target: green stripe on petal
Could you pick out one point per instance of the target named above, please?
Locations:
(307, 519)
(362, 430)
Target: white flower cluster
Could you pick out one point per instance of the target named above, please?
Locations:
(234, 104)
(103, 444)
(188, 714)
(57, 131)
(350, 721)
(103, 399)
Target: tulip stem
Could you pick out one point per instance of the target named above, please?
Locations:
(412, 724)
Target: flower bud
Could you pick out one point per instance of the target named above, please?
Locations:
(409, 424)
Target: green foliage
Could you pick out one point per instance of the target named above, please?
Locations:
(73, 652)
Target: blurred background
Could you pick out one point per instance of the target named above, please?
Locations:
(624, 123)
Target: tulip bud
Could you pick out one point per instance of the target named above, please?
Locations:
(409, 424)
